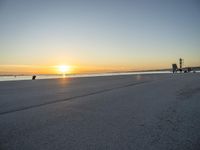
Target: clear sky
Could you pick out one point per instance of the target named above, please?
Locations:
(97, 35)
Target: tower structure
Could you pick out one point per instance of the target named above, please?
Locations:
(181, 63)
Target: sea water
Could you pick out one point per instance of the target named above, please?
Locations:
(29, 77)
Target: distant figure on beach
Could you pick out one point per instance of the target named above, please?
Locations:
(33, 77)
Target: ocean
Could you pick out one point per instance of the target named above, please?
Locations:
(29, 77)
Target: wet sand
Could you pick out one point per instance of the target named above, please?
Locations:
(139, 112)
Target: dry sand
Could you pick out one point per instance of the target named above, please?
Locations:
(130, 112)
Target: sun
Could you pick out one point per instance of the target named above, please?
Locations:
(64, 69)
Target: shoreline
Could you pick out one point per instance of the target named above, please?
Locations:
(41, 77)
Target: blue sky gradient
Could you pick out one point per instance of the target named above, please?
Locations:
(131, 34)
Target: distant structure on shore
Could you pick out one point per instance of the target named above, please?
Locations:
(180, 69)
(181, 63)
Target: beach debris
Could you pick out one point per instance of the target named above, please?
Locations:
(33, 77)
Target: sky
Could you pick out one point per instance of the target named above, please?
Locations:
(36, 36)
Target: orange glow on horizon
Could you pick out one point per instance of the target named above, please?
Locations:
(83, 68)
(64, 69)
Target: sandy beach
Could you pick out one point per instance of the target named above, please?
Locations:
(125, 112)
